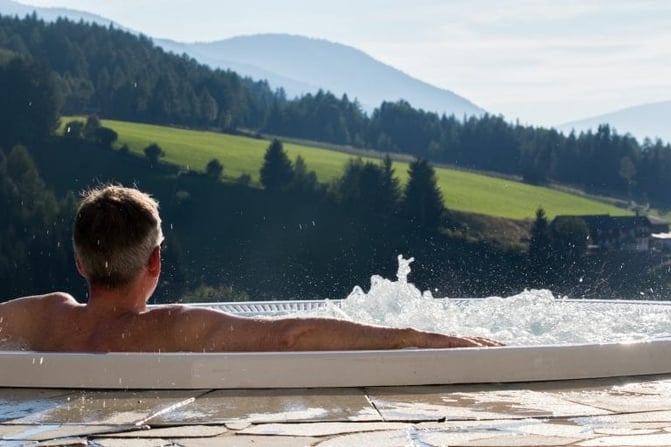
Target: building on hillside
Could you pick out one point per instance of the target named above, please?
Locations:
(661, 242)
(634, 233)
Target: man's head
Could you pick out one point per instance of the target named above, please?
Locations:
(115, 232)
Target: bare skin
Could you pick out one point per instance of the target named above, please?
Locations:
(118, 320)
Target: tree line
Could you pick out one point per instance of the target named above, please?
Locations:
(294, 238)
(115, 74)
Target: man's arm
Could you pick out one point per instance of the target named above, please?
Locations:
(211, 330)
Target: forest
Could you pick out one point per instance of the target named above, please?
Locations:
(293, 238)
(118, 75)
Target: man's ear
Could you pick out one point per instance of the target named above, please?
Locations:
(154, 263)
(80, 269)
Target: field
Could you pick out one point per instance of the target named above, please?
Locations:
(462, 191)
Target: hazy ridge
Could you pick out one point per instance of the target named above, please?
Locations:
(643, 121)
(302, 65)
(11, 8)
(297, 64)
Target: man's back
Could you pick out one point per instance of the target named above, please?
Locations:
(56, 322)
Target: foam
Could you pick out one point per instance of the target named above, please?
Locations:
(532, 317)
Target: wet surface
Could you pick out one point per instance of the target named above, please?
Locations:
(605, 412)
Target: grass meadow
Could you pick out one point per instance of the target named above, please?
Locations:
(462, 191)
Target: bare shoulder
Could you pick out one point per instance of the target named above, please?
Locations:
(53, 298)
(185, 313)
(59, 298)
(31, 309)
(26, 317)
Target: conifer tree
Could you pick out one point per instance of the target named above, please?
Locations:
(214, 169)
(422, 201)
(304, 180)
(540, 249)
(391, 189)
(153, 152)
(277, 171)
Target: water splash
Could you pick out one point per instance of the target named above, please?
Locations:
(403, 269)
(531, 317)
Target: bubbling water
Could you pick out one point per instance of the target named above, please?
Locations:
(533, 317)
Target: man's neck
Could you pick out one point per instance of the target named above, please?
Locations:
(117, 300)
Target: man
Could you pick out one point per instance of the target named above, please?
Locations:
(117, 241)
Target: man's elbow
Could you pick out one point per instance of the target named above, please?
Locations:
(295, 335)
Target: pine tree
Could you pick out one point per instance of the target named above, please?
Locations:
(304, 180)
(391, 189)
(29, 103)
(422, 201)
(277, 171)
(214, 169)
(540, 248)
(153, 152)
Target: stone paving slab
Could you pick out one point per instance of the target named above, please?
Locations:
(17, 403)
(247, 441)
(153, 442)
(322, 429)
(273, 405)
(620, 399)
(608, 412)
(445, 403)
(663, 439)
(182, 431)
(45, 432)
(99, 407)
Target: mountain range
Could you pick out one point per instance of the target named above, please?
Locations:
(301, 65)
(12, 8)
(296, 64)
(643, 121)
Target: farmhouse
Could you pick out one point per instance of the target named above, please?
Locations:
(634, 233)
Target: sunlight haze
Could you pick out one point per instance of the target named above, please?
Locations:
(542, 62)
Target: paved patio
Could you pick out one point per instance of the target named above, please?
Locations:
(604, 412)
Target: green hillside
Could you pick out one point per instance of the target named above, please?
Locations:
(463, 191)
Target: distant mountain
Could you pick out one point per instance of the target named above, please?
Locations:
(644, 121)
(11, 8)
(296, 64)
(302, 65)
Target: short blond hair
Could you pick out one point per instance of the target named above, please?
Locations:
(115, 231)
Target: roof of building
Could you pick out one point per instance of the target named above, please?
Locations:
(608, 222)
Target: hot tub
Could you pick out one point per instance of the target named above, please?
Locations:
(515, 363)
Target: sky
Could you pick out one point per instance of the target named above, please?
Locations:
(542, 62)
